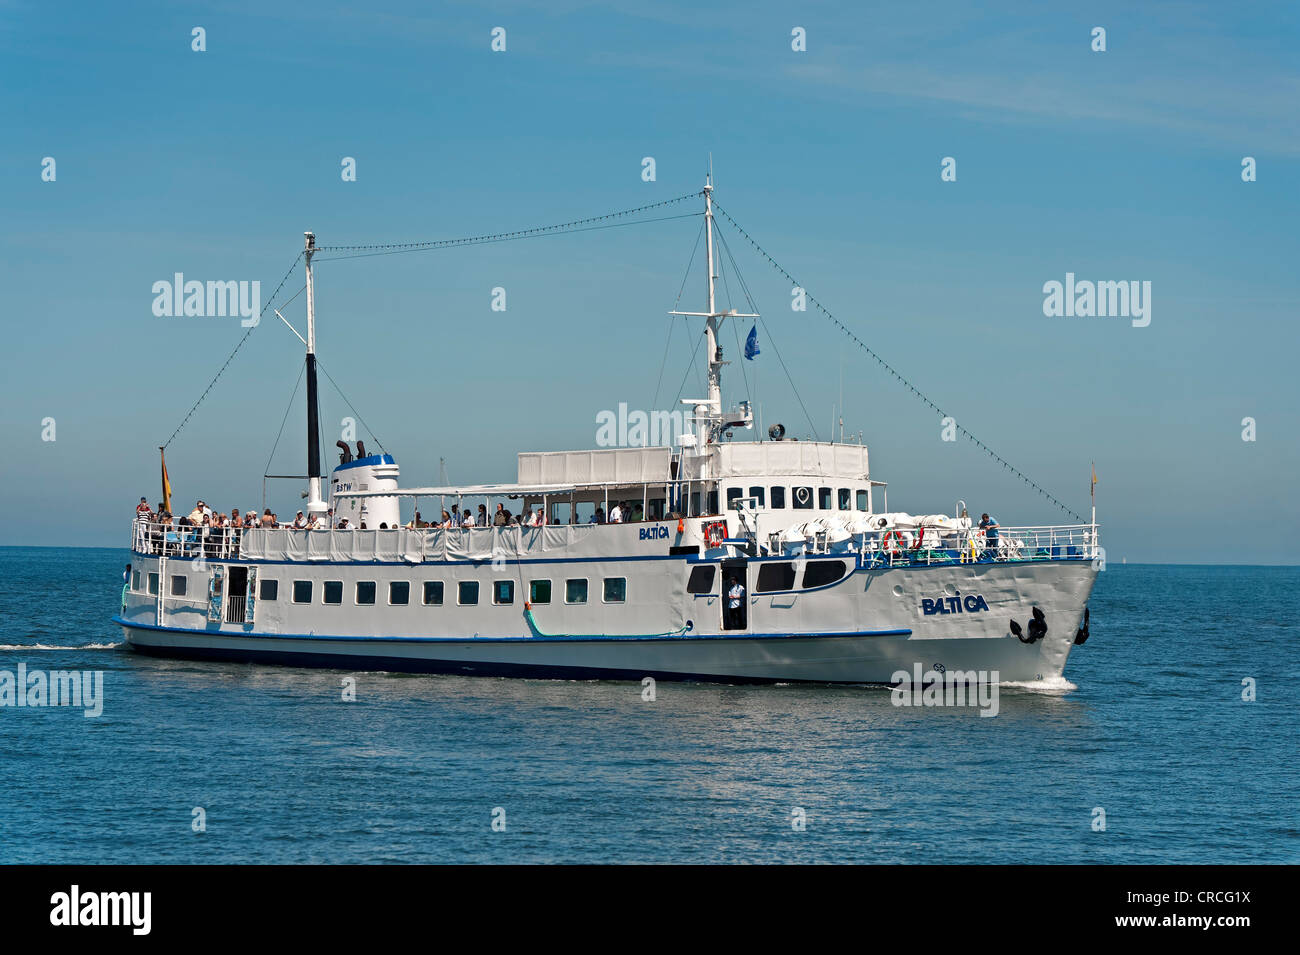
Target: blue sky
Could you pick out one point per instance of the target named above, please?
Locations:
(1123, 165)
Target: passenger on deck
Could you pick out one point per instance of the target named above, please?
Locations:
(598, 517)
(499, 518)
(142, 509)
(989, 526)
(446, 520)
(268, 519)
(482, 518)
(616, 514)
(300, 522)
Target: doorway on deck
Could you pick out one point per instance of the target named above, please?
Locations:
(735, 595)
(236, 593)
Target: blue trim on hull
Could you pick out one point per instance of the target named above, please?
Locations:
(349, 663)
(555, 638)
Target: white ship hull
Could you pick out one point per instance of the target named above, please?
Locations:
(864, 629)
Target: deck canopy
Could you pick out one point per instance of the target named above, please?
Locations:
(597, 467)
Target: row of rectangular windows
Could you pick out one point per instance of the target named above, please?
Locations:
(801, 498)
(399, 591)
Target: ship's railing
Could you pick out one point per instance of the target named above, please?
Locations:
(412, 545)
(941, 546)
(175, 540)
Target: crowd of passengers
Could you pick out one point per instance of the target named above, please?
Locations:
(211, 531)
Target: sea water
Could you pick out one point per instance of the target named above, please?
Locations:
(1146, 753)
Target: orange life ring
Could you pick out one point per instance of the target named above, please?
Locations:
(715, 533)
(893, 542)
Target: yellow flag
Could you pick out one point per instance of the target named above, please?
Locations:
(1093, 488)
(166, 484)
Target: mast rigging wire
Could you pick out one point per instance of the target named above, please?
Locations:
(889, 368)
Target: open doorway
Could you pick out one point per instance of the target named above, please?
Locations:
(236, 593)
(735, 595)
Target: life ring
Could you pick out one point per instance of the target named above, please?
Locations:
(715, 533)
(893, 542)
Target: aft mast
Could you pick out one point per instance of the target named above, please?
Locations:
(315, 503)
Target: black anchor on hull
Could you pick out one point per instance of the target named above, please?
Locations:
(1081, 635)
(1037, 628)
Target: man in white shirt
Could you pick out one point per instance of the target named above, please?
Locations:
(300, 522)
(735, 597)
(616, 515)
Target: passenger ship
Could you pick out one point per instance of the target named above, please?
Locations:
(836, 587)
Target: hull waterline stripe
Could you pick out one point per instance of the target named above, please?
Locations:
(334, 638)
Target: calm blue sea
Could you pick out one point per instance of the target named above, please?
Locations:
(1156, 734)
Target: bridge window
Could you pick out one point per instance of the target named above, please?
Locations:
(302, 591)
(803, 498)
(467, 593)
(778, 498)
(539, 591)
(734, 494)
(153, 584)
(178, 585)
(365, 592)
(399, 592)
(503, 592)
(824, 498)
(819, 573)
(433, 593)
(575, 591)
(862, 501)
(846, 499)
(701, 580)
(334, 591)
(759, 496)
(775, 576)
(269, 590)
(135, 580)
(615, 590)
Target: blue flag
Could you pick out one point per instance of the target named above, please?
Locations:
(751, 343)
